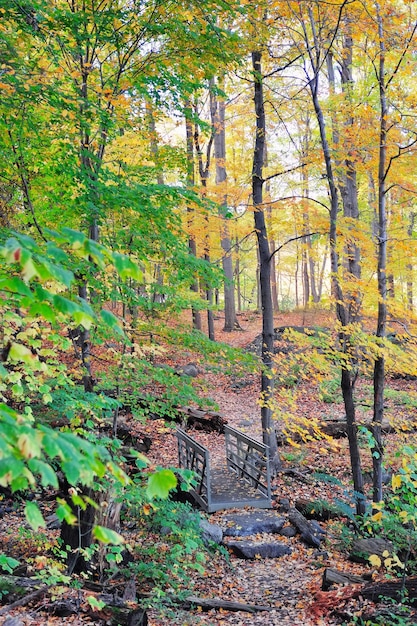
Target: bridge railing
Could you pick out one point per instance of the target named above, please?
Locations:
(249, 459)
(245, 457)
(195, 457)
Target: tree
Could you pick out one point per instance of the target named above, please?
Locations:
(267, 382)
(217, 110)
(31, 451)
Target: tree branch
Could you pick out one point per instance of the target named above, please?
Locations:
(291, 169)
(294, 239)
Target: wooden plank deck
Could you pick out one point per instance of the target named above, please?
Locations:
(242, 480)
(228, 491)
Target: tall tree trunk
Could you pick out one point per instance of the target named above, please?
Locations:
(342, 311)
(274, 290)
(310, 270)
(306, 278)
(218, 110)
(267, 381)
(274, 285)
(237, 276)
(204, 172)
(410, 284)
(379, 367)
(192, 246)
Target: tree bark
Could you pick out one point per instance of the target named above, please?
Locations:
(204, 172)
(267, 381)
(192, 246)
(379, 366)
(218, 110)
(342, 306)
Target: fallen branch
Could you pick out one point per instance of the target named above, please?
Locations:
(297, 474)
(25, 600)
(391, 589)
(305, 528)
(217, 603)
(334, 577)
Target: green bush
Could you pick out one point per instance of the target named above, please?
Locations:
(329, 391)
(170, 547)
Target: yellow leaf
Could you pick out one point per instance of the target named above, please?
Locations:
(375, 560)
(28, 446)
(29, 271)
(377, 517)
(396, 481)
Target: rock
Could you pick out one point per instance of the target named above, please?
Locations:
(188, 370)
(210, 532)
(335, 577)
(284, 505)
(53, 522)
(321, 554)
(63, 608)
(288, 531)
(363, 548)
(309, 534)
(242, 525)
(13, 621)
(317, 529)
(253, 549)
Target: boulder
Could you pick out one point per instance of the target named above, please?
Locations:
(363, 548)
(254, 549)
(288, 531)
(188, 370)
(210, 532)
(13, 621)
(245, 524)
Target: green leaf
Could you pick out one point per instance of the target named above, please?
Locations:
(63, 276)
(15, 285)
(126, 268)
(64, 512)
(74, 238)
(51, 443)
(56, 253)
(95, 604)
(71, 471)
(42, 310)
(47, 473)
(19, 352)
(111, 320)
(160, 484)
(34, 516)
(105, 535)
(65, 306)
(7, 563)
(83, 319)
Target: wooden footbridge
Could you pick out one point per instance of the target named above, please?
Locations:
(243, 479)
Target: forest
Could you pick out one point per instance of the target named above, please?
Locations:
(208, 225)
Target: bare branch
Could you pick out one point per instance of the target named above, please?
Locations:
(318, 232)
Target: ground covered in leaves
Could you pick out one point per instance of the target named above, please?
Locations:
(291, 585)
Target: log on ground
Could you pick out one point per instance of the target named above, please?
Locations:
(391, 589)
(308, 534)
(227, 605)
(334, 577)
